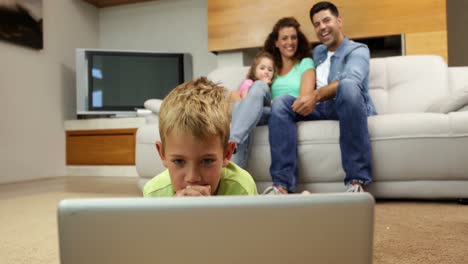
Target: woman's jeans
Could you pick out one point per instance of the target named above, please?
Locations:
(251, 111)
(349, 107)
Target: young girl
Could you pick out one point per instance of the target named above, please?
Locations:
(262, 69)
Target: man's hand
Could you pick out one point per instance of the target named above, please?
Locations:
(195, 190)
(305, 104)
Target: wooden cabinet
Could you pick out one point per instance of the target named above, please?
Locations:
(102, 141)
(101, 147)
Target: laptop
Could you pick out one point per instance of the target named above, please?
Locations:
(332, 228)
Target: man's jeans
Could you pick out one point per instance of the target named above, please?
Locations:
(349, 107)
(251, 111)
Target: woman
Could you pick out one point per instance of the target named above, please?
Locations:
(295, 83)
(296, 76)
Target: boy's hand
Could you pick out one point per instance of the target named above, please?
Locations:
(195, 190)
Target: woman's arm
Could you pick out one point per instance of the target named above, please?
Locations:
(305, 102)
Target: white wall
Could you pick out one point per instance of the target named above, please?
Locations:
(37, 92)
(163, 25)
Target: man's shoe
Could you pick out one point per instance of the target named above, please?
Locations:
(355, 188)
(272, 190)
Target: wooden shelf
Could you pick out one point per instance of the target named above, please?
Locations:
(107, 3)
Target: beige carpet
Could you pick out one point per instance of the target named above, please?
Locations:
(405, 232)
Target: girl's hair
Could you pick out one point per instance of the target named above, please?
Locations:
(260, 55)
(303, 44)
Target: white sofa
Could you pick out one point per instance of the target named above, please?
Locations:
(415, 153)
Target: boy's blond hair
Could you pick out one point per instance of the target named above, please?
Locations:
(199, 107)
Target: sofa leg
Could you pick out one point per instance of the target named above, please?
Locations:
(463, 201)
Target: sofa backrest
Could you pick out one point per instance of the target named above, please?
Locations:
(406, 84)
(402, 84)
(229, 77)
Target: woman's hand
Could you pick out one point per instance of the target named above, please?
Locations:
(195, 190)
(305, 104)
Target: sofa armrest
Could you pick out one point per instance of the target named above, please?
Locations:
(458, 77)
(151, 119)
(147, 160)
(154, 105)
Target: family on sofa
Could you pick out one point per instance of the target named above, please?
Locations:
(417, 147)
(332, 86)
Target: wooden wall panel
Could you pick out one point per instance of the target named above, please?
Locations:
(238, 24)
(427, 43)
(101, 147)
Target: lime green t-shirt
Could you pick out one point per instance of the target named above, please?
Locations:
(291, 82)
(234, 181)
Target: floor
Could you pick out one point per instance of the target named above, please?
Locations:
(404, 231)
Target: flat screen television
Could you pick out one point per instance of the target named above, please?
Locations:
(118, 82)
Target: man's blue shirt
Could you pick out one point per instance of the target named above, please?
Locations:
(350, 61)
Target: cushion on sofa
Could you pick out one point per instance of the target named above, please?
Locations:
(407, 84)
(153, 104)
(229, 77)
(449, 103)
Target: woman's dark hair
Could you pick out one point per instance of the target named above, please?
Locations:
(303, 44)
(320, 6)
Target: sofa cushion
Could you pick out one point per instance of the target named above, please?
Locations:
(380, 127)
(229, 77)
(453, 102)
(407, 84)
(401, 143)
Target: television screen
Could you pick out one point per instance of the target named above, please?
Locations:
(122, 81)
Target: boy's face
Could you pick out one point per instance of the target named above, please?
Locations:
(194, 164)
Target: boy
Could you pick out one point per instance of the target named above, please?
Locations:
(194, 124)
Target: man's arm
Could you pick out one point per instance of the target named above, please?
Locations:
(357, 65)
(356, 68)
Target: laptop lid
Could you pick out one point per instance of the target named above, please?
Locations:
(318, 228)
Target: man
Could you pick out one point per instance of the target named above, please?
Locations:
(341, 94)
